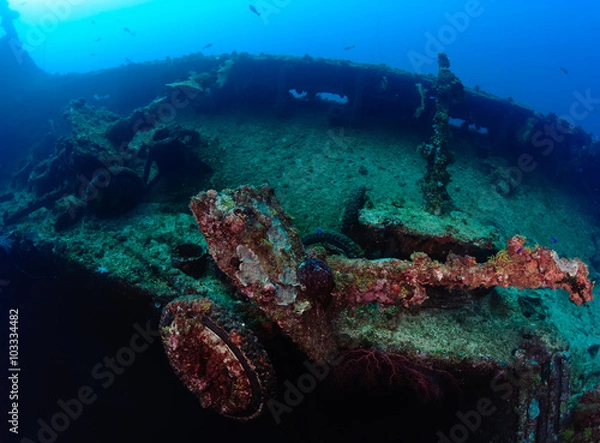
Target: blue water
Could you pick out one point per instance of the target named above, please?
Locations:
(542, 54)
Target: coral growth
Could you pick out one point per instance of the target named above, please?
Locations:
(254, 243)
(217, 358)
(252, 240)
(401, 282)
(374, 368)
(84, 172)
(448, 89)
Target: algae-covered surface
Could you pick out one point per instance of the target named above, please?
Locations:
(314, 162)
(313, 167)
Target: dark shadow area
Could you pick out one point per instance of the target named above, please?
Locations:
(74, 331)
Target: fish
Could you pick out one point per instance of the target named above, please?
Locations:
(129, 31)
(93, 22)
(209, 45)
(253, 9)
(564, 70)
(554, 240)
(347, 48)
(98, 39)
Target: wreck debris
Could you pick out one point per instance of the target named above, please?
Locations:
(541, 377)
(84, 172)
(586, 417)
(382, 234)
(448, 89)
(254, 243)
(195, 86)
(217, 358)
(170, 148)
(121, 192)
(21, 175)
(46, 201)
(68, 209)
(223, 72)
(317, 278)
(354, 204)
(191, 259)
(394, 281)
(334, 243)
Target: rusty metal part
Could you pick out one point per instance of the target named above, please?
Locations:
(252, 240)
(217, 358)
(403, 282)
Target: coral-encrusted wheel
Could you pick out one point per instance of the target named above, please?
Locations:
(217, 358)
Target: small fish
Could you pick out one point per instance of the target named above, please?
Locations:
(209, 45)
(554, 240)
(93, 22)
(93, 54)
(129, 31)
(98, 39)
(128, 60)
(564, 70)
(347, 48)
(253, 9)
(319, 231)
(520, 251)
